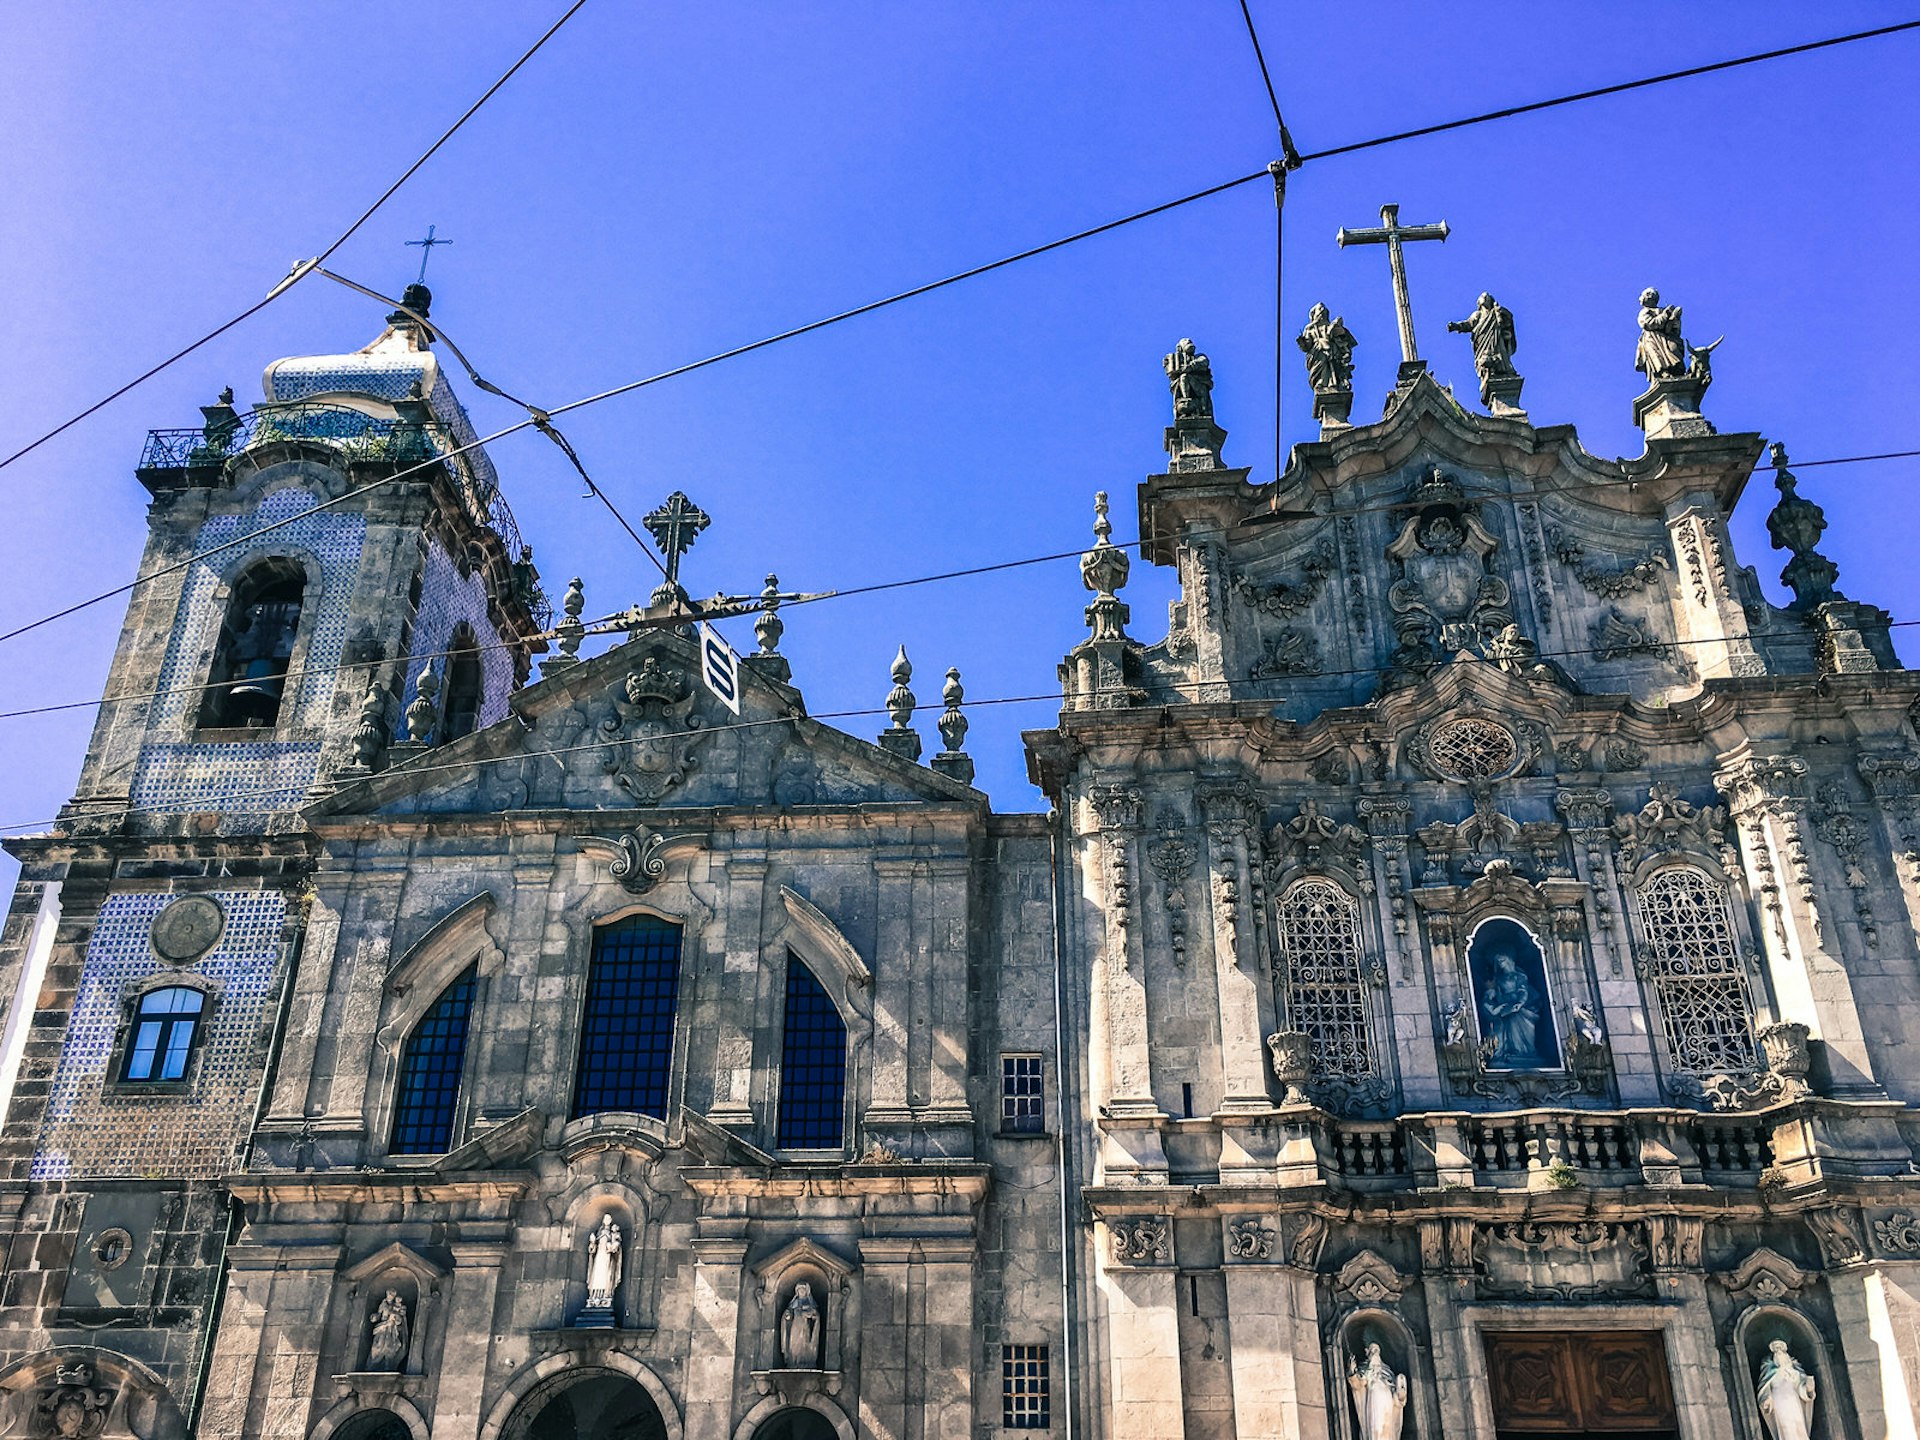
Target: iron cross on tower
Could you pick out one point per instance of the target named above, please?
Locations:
(674, 526)
(1393, 234)
(426, 252)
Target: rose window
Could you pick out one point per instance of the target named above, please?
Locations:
(1471, 749)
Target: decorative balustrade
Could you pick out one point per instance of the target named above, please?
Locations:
(360, 437)
(1362, 1151)
(1523, 1143)
(1733, 1146)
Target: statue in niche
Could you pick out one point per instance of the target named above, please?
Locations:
(800, 1330)
(1328, 346)
(1491, 326)
(1190, 375)
(1662, 353)
(603, 1264)
(1379, 1395)
(1785, 1393)
(387, 1344)
(1509, 975)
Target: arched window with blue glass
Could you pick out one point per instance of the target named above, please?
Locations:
(813, 1066)
(427, 1098)
(626, 1025)
(166, 1027)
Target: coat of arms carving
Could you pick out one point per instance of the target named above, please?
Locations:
(651, 733)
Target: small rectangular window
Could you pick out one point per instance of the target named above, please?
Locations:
(1024, 1389)
(164, 1029)
(1022, 1095)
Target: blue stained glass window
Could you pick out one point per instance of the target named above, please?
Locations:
(429, 1088)
(626, 1032)
(813, 1065)
(163, 1033)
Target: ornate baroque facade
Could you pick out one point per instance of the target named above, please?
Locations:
(1463, 987)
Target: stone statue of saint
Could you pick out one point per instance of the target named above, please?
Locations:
(1511, 1015)
(1191, 377)
(1662, 353)
(1785, 1393)
(603, 1265)
(387, 1345)
(1379, 1396)
(1328, 346)
(800, 1330)
(1491, 326)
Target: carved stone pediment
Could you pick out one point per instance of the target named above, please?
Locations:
(1764, 1275)
(1369, 1279)
(1561, 1260)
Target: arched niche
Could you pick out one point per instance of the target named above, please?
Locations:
(420, 1285)
(1754, 1331)
(1510, 980)
(116, 1396)
(594, 1205)
(1374, 1325)
(778, 1278)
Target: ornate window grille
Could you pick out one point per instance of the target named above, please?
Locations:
(1322, 989)
(1693, 960)
(1025, 1388)
(1470, 748)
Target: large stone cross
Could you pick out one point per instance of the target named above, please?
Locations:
(1393, 234)
(673, 527)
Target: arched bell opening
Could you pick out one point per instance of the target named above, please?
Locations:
(247, 684)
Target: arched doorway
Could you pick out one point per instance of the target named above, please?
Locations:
(795, 1423)
(374, 1425)
(598, 1405)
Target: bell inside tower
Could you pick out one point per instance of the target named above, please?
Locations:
(248, 680)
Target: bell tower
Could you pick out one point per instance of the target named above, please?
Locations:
(307, 562)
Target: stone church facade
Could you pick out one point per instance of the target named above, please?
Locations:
(1463, 985)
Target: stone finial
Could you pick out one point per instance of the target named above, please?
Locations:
(1193, 440)
(899, 737)
(1491, 326)
(1796, 524)
(1104, 570)
(767, 629)
(422, 716)
(1328, 346)
(570, 631)
(952, 760)
(370, 731)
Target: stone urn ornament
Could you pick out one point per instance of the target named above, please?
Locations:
(1292, 1052)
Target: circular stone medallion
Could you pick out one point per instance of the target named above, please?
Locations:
(188, 928)
(1470, 748)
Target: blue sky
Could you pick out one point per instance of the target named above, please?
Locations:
(665, 181)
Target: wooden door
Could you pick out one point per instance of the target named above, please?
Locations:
(1586, 1382)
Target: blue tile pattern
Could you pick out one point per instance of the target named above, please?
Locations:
(200, 1132)
(447, 599)
(251, 775)
(386, 377)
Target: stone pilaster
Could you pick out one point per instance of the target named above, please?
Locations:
(1711, 621)
(1230, 813)
(713, 1361)
(460, 1391)
(1279, 1384)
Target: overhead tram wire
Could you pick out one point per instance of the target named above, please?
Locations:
(1289, 160)
(877, 587)
(1054, 696)
(542, 420)
(978, 270)
(339, 240)
(1347, 149)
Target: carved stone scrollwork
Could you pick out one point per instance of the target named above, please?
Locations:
(1838, 1231)
(1615, 637)
(1629, 577)
(1764, 1275)
(1172, 860)
(1250, 1238)
(1836, 824)
(1898, 1233)
(1142, 1241)
(1289, 596)
(1666, 824)
(1369, 1279)
(1561, 1260)
(1116, 811)
(634, 858)
(1311, 834)
(1289, 653)
(74, 1405)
